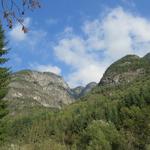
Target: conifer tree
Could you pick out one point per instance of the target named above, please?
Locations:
(4, 75)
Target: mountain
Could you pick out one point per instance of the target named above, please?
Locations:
(126, 70)
(32, 88)
(147, 57)
(88, 88)
(114, 115)
(77, 91)
(81, 91)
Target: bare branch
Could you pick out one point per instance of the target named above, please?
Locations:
(13, 11)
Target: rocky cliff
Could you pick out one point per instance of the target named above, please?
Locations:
(31, 88)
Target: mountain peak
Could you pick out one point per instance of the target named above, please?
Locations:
(147, 56)
(80, 91)
(29, 88)
(130, 56)
(125, 70)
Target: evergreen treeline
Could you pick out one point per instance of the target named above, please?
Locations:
(4, 80)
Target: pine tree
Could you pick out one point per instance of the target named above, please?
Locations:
(4, 79)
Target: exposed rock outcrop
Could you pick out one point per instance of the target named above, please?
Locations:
(30, 88)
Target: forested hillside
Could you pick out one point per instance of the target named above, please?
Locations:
(115, 115)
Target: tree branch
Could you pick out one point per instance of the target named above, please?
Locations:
(13, 11)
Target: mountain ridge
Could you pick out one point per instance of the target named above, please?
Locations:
(29, 88)
(125, 70)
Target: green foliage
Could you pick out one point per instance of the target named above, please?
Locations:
(100, 135)
(128, 63)
(4, 80)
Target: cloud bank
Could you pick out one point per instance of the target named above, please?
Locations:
(102, 41)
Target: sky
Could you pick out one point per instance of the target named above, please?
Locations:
(79, 39)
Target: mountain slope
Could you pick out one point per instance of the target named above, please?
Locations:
(77, 91)
(88, 88)
(32, 88)
(110, 117)
(125, 70)
(81, 91)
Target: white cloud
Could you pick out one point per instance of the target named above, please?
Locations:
(124, 33)
(46, 68)
(86, 75)
(86, 66)
(119, 32)
(103, 40)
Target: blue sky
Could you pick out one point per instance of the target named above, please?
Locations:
(79, 39)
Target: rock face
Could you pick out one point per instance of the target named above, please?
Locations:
(88, 88)
(82, 91)
(31, 88)
(77, 92)
(126, 70)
